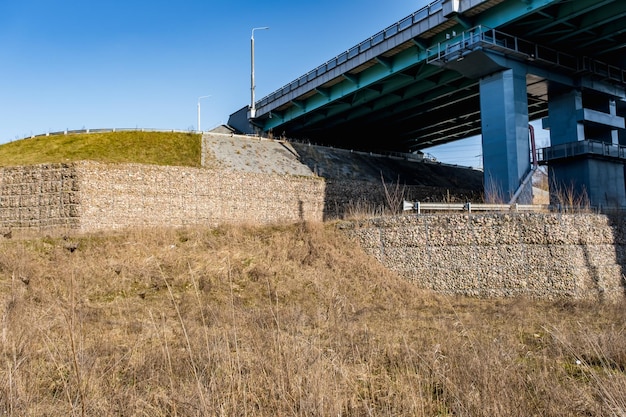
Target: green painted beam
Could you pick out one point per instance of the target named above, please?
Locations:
(351, 84)
(572, 10)
(600, 18)
(510, 11)
(399, 104)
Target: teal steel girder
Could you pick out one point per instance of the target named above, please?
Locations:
(377, 74)
(603, 19)
(592, 28)
(390, 72)
(567, 12)
(400, 90)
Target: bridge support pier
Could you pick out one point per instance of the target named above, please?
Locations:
(587, 164)
(506, 149)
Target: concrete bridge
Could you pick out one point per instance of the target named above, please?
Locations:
(460, 68)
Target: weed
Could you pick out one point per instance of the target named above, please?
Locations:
(569, 198)
(394, 196)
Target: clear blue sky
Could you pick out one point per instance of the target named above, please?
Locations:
(74, 64)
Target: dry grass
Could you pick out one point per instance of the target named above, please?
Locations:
(569, 198)
(280, 321)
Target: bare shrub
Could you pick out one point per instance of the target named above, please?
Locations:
(568, 198)
(395, 194)
(362, 209)
(494, 193)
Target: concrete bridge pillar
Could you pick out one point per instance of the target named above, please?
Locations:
(563, 108)
(505, 135)
(585, 133)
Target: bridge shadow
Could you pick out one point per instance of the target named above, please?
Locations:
(617, 222)
(367, 183)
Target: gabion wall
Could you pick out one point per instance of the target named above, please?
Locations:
(92, 196)
(39, 196)
(487, 255)
(499, 255)
(125, 195)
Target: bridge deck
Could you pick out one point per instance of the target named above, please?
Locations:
(391, 91)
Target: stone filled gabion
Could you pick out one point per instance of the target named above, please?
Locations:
(490, 255)
(539, 255)
(39, 196)
(94, 196)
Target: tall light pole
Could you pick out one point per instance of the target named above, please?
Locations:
(199, 98)
(252, 108)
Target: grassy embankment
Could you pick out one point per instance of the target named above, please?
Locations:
(281, 321)
(159, 148)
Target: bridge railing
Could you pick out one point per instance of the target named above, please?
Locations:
(106, 130)
(407, 22)
(581, 148)
(482, 37)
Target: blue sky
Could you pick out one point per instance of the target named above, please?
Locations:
(75, 64)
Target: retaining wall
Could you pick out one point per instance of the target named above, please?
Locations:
(487, 255)
(92, 196)
(39, 196)
(579, 256)
(147, 195)
(354, 180)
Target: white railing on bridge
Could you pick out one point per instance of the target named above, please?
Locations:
(105, 130)
(409, 21)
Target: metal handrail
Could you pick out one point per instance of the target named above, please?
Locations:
(372, 41)
(487, 38)
(583, 147)
(105, 130)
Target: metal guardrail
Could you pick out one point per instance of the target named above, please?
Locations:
(482, 37)
(106, 130)
(580, 148)
(400, 26)
(470, 207)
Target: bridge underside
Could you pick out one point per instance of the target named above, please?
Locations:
(483, 67)
(400, 101)
(423, 107)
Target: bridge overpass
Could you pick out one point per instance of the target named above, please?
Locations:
(460, 68)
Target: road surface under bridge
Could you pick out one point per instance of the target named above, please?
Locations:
(460, 68)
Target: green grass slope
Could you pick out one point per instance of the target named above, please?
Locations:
(157, 148)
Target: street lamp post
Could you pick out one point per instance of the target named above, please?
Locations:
(252, 107)
(199, 98)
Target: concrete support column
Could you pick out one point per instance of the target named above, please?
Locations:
(505, 135)
(613, 112)
(591, 178)
(563, 109)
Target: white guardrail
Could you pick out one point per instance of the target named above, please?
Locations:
(470, 207)
(105, 130)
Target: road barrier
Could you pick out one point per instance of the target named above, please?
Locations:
(418, 207)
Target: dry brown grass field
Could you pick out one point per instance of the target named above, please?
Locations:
(281, 321)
